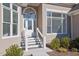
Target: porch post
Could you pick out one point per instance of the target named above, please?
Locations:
(44, 43)
(26, 42)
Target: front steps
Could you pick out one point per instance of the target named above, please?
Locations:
(33, 43)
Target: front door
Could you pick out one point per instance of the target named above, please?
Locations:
(29, 26)
(29, 19)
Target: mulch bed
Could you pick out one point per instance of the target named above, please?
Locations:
(69, 53)
(56, 53)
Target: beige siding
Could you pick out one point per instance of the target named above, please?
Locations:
(5, 43)
(75, 26)
(50, 36)
(0, 20)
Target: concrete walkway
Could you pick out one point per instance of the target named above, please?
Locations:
(38, 52)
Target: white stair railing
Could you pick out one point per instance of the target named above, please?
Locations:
(43, 37)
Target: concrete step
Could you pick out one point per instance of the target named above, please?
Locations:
(32, 38)
(33, 46)
(30, 43)
(34, 42)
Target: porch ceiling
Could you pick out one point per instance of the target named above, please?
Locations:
(69, 5)
(28, 4)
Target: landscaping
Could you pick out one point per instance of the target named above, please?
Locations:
(64, 47)
(14, 50)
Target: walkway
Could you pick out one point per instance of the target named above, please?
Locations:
(39, 52)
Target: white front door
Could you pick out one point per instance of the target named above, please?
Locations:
(29, 26)
(29, 19)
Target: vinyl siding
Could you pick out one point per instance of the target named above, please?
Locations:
(75, 26)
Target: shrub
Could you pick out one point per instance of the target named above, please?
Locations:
(65, 42)
(62, 50)
(14, 50)
(72, 44)
(74, 49)
(55, 44)
(76, 42)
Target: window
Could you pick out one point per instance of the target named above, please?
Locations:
(6, 4)
(15, 20)
(14, 7)
(6, 21)
(29, 25)
(49, 25)
(6, 29)
(10, 20)
(6, 15)
(15, 23)
(56, 26)
(56, 22)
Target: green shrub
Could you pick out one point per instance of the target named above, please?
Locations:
(72, 45)
(76, 42)
(14, 50)
(62, 50)
(55, 44)
(65, 42)
(74, 49)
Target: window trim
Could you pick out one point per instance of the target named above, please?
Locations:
(11, 10)
(57, 11)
